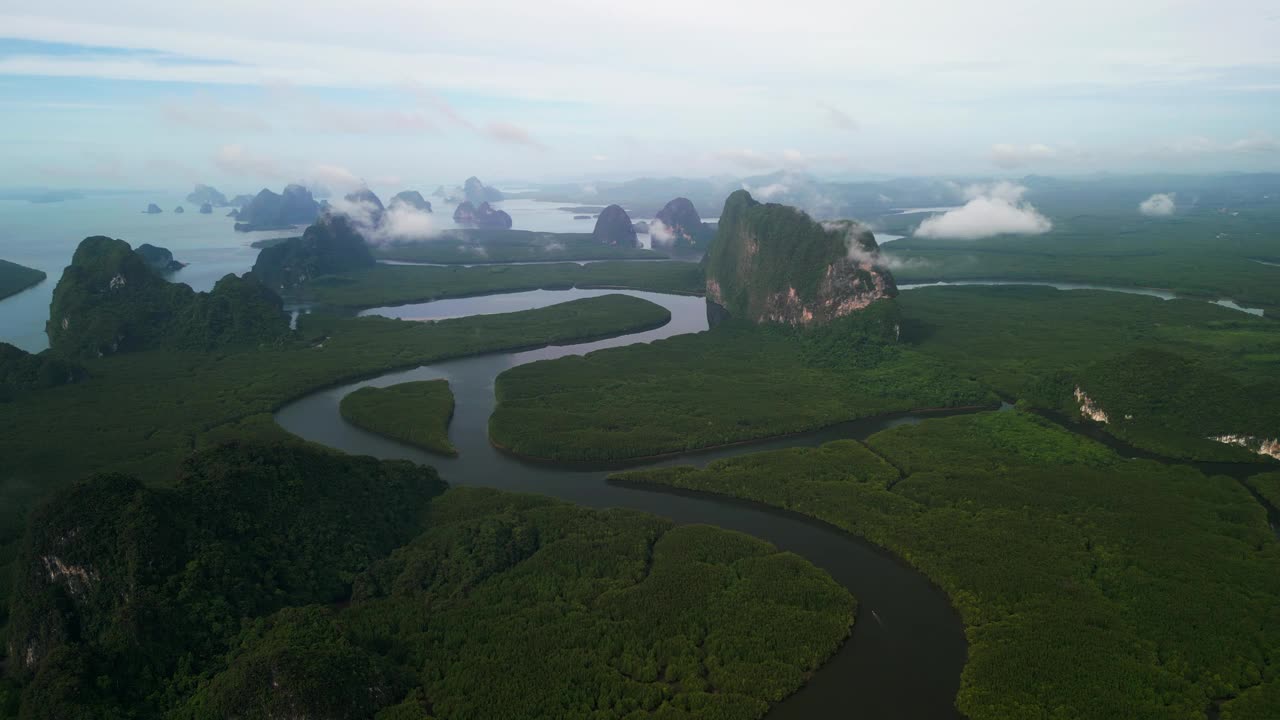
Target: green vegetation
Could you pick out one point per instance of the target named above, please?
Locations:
(1256, 703)
(143, 413)
(404, 284)
(1184, 370)
(734, 383)
(1268, 486)
(20, 370)
(1090, 586)
(1204, 253)
(142, 586)
(111, 300)
(15, 278)
(477, 246)
(772, 263)
(328, 246)
(285, 580)
(417, 413)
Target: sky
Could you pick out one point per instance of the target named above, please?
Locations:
(245, 93)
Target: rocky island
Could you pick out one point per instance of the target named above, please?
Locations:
(329, 246)
(369, 205)
(205, 194)
(271, 211)
(158, 259)
(614, 228)
(483, 216)
(773, 263)
(410, 198)
(110, 300)
(153, 209)
(679, 227)
(477, 192)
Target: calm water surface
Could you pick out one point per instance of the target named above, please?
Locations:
(908, 645)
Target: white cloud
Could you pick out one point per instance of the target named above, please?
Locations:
(1014, 156)
(767, 193)
(1158, 205)
(996, 209)
(660, 234)
(399, 223)
(404, 222)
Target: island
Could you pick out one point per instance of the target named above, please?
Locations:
(272, 211)
(411, 199)
(614, 228)
(483, 216)
(206, 195)
(417, 413)
(15, 278)
(110, 300)
(329, 246)
(158, 259)
(153, 209)
(679, 227)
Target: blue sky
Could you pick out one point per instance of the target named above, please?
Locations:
(244, 93)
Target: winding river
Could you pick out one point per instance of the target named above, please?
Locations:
(908, 645)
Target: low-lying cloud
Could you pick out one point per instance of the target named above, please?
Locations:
(1158, 205)
(869, 258)
(660, 234)
(768, 193)
(399, 223)
(996, 209)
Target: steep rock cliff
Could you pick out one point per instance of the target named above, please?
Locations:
(110, 300)
(613, 227)
(679, 227)
(773, 263)
(271, 211)
(331, 245)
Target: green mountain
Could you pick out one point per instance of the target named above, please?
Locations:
(331, 245)
(772, 263)
(111, 300)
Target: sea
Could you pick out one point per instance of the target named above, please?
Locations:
(45, 235)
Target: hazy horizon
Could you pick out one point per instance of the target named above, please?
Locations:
(246, 95)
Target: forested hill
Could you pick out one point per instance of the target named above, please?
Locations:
(291, 581)
(110, 300)
(773, 263)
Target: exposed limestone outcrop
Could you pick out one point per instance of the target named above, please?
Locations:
(773, 263)
(1089, 408)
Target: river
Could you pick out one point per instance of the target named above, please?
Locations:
(908, 645)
